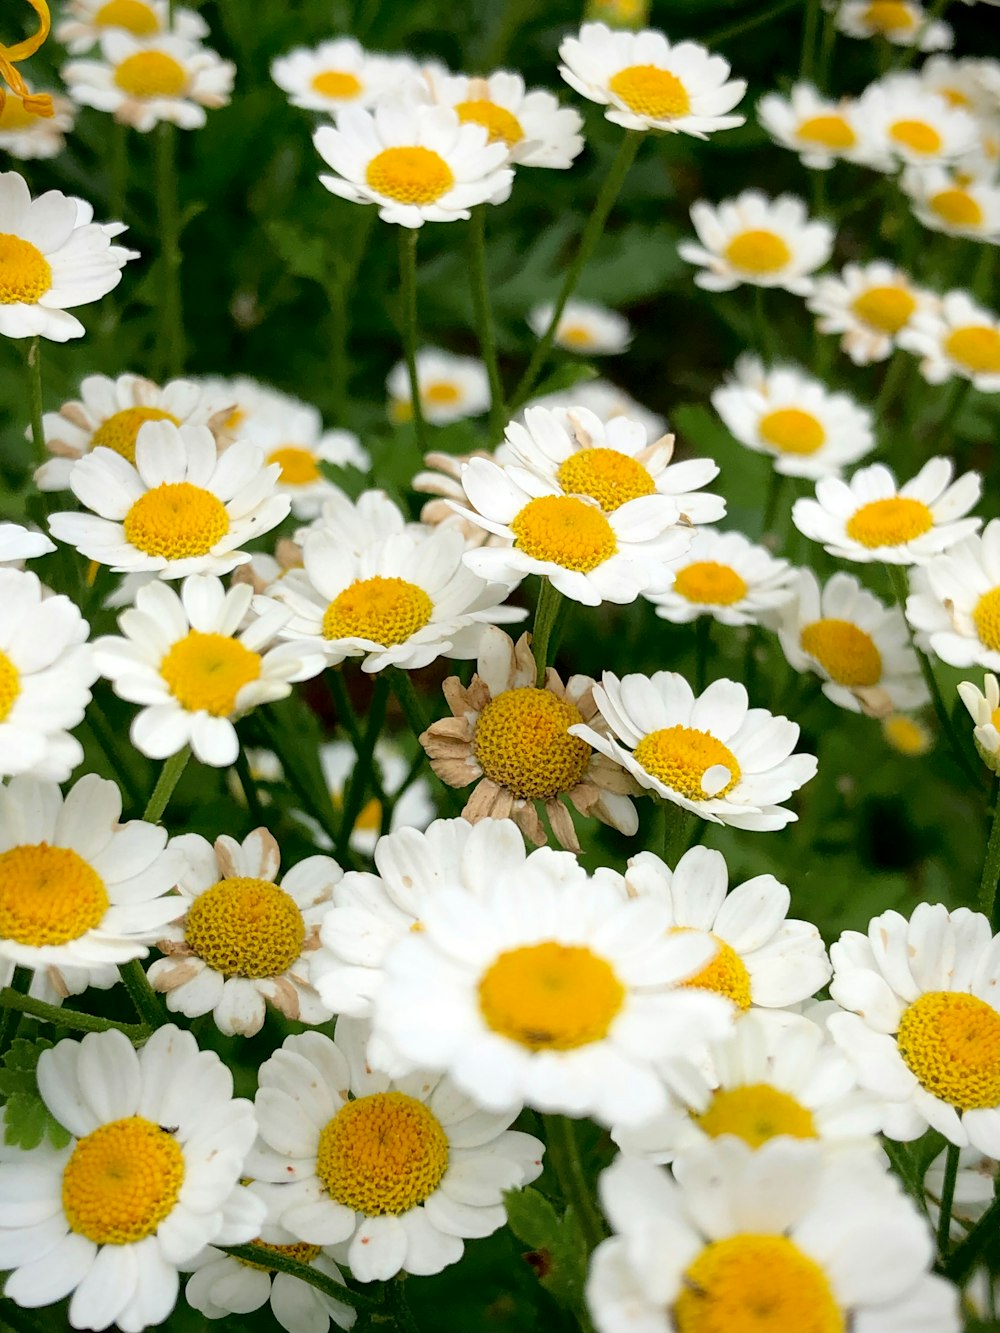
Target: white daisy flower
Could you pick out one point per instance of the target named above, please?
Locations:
(146, 81)
(984, 709)
(157, 1151)
(915, 125)
(605, 400)
(957, 337)
(396, 1173)
(947, 201)
(712, 755)
(921, 1021)
(18, 544)
(29, 137)
(181, 508)
(872, 306)
(856, 645)
(338, 73)
(757, 240)
(412, 808)
(356, 524)
(196, 662)
(85, 22)
(726, 576)
(785, 413)
(963, 81)
(955, 602)
(535, 129)
(820, 130)
(902, 22)
(584, 327)
(650, 84)
(451, 387)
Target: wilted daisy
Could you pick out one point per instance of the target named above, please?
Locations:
(757, 240)
(157, 1151)
(648, 83)
(872, 306)
(907, 735)
(945, 200)
(915, 125)
(955, 601)
(712, 755)
(807, 430)
(85, 22)
(536, 130)
(605, 400)
(584, 327)
(442, 480)
(725, 576)
(957, 337)
(29, 137)
(451, 387)
(984, 709)
(856, 645)
(336, 74)
(397, 1172)
(903, 22)
(820, 130)
(18, 543)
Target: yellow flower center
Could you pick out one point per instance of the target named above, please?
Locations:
(299, 1250)
(976, 347)
(132, 15)
(550, 997)
(13, 116)
(122, 1181)
(829, 130)
(503, 127)
(441, 393)
(151, 74)
(847, 654)
(564, 531)
(755, 1113)
(884, 308)
(889, 16)
(681, 756)
(119, 432)
(726, 975)
(710, 584)
(48, 895)
(25, 275)
(298, 466)
(792, 431)
(756, 1284)
(234, 421)
(986, 618)
(951, 1042)
(385, 1153)
(957, 208)
(758, 251)
(906, 735)
(386, 611)
(916, 135)
(10, 685)
(370, 819)
(205, 672)
(338, 84)
(605, 475)
(410, 175)
(522, 743)
(889, 522)
(245, 928)
(576, 335)
(650, 91)
(176, 520)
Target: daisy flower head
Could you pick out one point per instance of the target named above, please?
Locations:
(605, 400)
(157, 1149)
(984, 709)
(902, 22)
(451, 388)
(356, 524)
(181, 508)
(954, 602)
(907, 735)
(649, 83)
(712, 754)
(873, 306)
(957, 337)
(915, 125)
(397, 1173)
(336, 74)
(511, 738)
(726, 576)
(18, 543)
(822, 131)
(534, 128)
(29, 137)
(584, 327)
(85, 22)
(757, 240)
(963, 81)
(947, 201)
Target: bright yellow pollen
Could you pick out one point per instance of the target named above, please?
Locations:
(756, 1113)
(10, 685)
(48, 895)
(245, 927)
(884, 308)
(176, 520)
(13, 116)
(339, 84)
(756, 1284)
(575, 335)
(951, 1042)
(986, 618)
(889, 16)
(300, 1250)
(25, 275)
(708, 583)
(906, 735)
(829, 130)
(503, 126)
(957, 208)
(440, 393)
(792, 431)
(385, 1153)
(564, 531)
(522, 743)
(151, 74)
(119, 432)
(410, 175)
(605, 475)
(205, 672)
(298, 466)
(726, 974)
(132, 15)
(650, 91)
(889, 522)
(758, 251)
(386, 611)
(122, 1181)
(847, 654)
(976, 347)
(551, 997)
(917, 135)
(681, 756)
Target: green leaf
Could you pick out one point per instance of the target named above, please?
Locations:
(558, 1248)
(531, 1217)
(27, 1120)
(305, 255)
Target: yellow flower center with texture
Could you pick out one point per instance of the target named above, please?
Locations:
(550, 997)
(792, 431)
(522, 743)
(10, 685)
(650, 91)
(681, 756)
(847, 654)
(758, 251)
(441, 393)
(48, 895)
(886, 309)
(151, 74)
(301, 1251)
(205, 672)
(122, 1181)
(25, 275)
(755, 1113)
(176, 521)
(410, 175)
(298, 466)
(916, 135)
(338, 84)
(957, 208)
(575, 335)
(132, 15)
(986, 618)
(708, 583)
(245, 927)
(385, 1153)
(951, 1042)
(386, 611)
(976, 347)
(13, 116)
(605, 475)
(564, 531)
(890, 522)
(905, 735)
(502, 125)
(726, 975)
(120, 431)
(829, 131)
(756, 1284)
(889, 16)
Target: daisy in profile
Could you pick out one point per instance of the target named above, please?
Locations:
(412, 805)
(85, 22)
(757, 240)
(535, 129)
(725, 576)
(916, 126)
(18, 543)
(712, 755)
(336, 74)
(856, 644)
(902, 22)
(954, 602)
(157, 1150)
(820, 130)
(584, 327)
(957, 337)
(29, 137)
(873, 306)
(648, 83)
(451, 387)
(963, 81)
(396, 1173)
(984, 709)
(946, 200)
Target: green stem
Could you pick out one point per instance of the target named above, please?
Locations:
(250, 794)
(321, 811)
(484, 319)
(675, 831)
(963, 1257)
(902, 1164)
(546, 611)
(703, 637)
(171, 314)
(776, 484)
(983, 271)
(810, 27)
(409, 701)
(400, 1306)
(959, 392)
(356, 791)
(12, 998)
(126, 778)
(343, 706)
(148, 1004)
(170, 775)
(282, 1263)
(336, 295)
(764, 342)
(34, 363)
(408, 237)
(827, 40)
(991, 866)
(737, 29)
(891, 382)
(119, 171)
(12, 1002)
(947, 1199)
(563, 1155)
